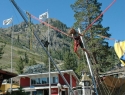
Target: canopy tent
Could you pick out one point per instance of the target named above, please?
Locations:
(113, 82)
(112, 86)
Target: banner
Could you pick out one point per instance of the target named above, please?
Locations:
(120, 50)
(43, 16)
(7, 21)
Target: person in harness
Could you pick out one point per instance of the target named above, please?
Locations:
(46, 43)
(77, 41)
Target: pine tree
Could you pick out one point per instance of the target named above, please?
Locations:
(26, 58)
(20, 66)
(85, 13)
(52, 68)
(18, 38)
(1, 50)
(81, 66)
(32, 62)
(70, 61)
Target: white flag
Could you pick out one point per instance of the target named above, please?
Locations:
(43, 16)
(7, 21)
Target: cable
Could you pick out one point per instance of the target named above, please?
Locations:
(14, 12)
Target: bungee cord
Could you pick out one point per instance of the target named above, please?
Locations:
(99, 16)
(42, 22)
(66, 33)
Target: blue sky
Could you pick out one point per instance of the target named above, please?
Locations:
(61, 10)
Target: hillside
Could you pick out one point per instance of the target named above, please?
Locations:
(25, 42)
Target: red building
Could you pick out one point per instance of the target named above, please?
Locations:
(38, 84)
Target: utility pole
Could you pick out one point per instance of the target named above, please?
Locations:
(49, 59)
(30, 31)
(11, 55)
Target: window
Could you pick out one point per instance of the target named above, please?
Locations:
(33, 81)
(51, 79)
(55, 79)
(40, 92)
(86, 83)
(47, 80)
(37, 81)
(44, 80)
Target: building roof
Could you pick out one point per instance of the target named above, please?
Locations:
(46, 74)
(85, 78)
(115, 71)
(6, 75)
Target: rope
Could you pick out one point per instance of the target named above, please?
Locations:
(107, 37)
(107, 88)
(98, 17)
